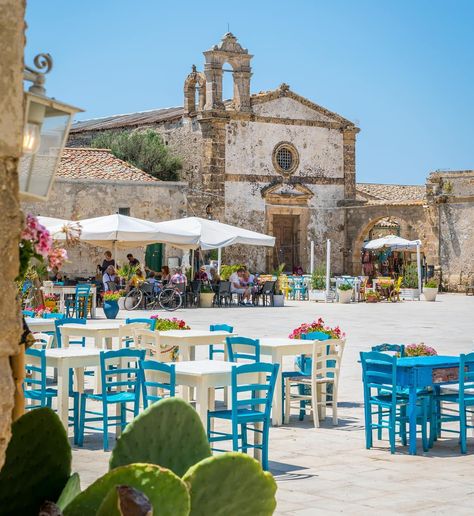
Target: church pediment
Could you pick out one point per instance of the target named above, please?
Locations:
(287, 193)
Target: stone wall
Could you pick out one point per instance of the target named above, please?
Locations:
(11, 128)
(72, 199)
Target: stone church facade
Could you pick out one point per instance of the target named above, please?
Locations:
(278, 163)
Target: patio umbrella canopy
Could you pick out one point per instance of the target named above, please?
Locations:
(211, 234)
(54, 226)
(393, 242)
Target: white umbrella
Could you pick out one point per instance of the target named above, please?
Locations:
(54, 226)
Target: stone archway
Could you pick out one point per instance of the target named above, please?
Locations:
(194, 80)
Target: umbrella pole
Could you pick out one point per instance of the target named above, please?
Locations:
(328, 266)
(219, 260)
(192, 264)
(114, 252)
(311, 267)
(418, 266)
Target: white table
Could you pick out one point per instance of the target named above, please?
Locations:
(38, 324)
(277, 348)
(63, 359)
(186, 340)
(61, 291)
(101, 331)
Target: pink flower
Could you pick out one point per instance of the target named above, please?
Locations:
(56, 257)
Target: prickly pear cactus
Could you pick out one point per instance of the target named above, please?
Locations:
(169, 433)
(166, 492)
(37, 463)
(231, 483)
(70, 491)
(125, 501)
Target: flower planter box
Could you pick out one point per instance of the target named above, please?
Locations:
(409, 294)
(430, 293)
(317, 295)
(344, 296)
(279, 300)
(205, 299)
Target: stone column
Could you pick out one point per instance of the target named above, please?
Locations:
(12, 42)
(213, 72)
(349, 141)
(242, 90)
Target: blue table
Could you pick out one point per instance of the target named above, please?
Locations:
(420, 372)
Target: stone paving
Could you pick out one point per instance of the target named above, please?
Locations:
(328, 469)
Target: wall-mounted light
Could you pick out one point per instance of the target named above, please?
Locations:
(47, 124)
(209, 211)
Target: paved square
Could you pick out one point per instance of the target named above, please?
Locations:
(328, 469)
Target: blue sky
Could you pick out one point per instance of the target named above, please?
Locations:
(402, 70)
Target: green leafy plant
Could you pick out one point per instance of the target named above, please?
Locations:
(344, 287)
(206, 289)
(143, 149)
(228, 270)
(372, 296)
(318, 278)
(410, 276)
(431, 283)
(127, 271)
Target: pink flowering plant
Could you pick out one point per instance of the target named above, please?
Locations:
(419, 350)
(319, 325)
(174, 323)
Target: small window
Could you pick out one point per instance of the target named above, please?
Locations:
(124, 211)
(285, 158)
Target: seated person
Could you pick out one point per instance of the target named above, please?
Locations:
(165, 274)
(201, 274)
(178, 278)
(56, 275)
(237, 286)
(137, 279)
(214, 277)
(109, 276)
(152, 280)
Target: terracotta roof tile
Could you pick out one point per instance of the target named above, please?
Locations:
(391, 193)
(89, 163)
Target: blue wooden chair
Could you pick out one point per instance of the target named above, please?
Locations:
(68, 320)
(243, 348)
(79, 304)
(28, 313)
(379, 373)
(120, 385)
(35, 387)
(55, 315)
(150, 387)
(213, 349)
(251, 405)
(461, 394)
(397, 349)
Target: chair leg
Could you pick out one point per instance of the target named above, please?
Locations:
(462, 427)
(403, 424)
(105, 427)
(334, 404)
(265, 446)
(315, 404)
(391, 428)
(424, 424)
(76, 418)
(287, 402)
(82, 417)
(244, 437)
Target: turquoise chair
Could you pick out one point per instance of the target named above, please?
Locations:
(379, 374)
(28, 313)
(251, 351)
(213, 350)
(120, 385)
(149, 387)
(78, 305)
(68, 320)
(251, 405)
(461, 394)
(56, 315)
(35, 388)
(397, 349)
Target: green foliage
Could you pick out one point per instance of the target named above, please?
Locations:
(127, 271)
(343, 287)
(70, 491)
(279, 270)
(228, 270)
(431, 283)
(206, 289)
(167, 492)
(37, 463)
(410, 276)
(168, 433)
(144, 149)
(318, 278)
(231, 483)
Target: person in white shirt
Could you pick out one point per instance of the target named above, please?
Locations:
(237, 286)
(109, 276)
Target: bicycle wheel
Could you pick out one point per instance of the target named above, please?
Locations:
(133, 299)
(170, 299)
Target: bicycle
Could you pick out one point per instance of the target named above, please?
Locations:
(145, 296)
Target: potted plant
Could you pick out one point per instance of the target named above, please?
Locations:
(409, 288)
(419, 350)
(318, 284)
(111, 307)
(372, 296)
(127, 271)
(430, 290)
(344, 293)
(169, 353)
(50, 301)
(279, 296)
(206, 296)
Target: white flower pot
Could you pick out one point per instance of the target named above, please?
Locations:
(344, 296)
(430, 293)
(409, 293)
(205, 299)
(317, 295)
(278, 300)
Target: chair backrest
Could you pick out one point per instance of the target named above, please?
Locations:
(326, 359)
(196, 286)
(221, 327)
(224, 287)
(151, 323)
(126, 333)
(397, 349)
(379, 370)
(66, 320)
(147, 340)
(151, 384)
(53, 315)
(120, 370)
(466, 374)
(28, 313)
(35, 378)
(42, 340)
(251, 394)
(243, 348)
(268, 287)
(315, 335)
(147, 288)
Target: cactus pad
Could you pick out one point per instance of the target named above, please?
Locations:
(166, 492)
(70, 491)
(231, 483)
(169, 433)
(125, 501)
(37, 463)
